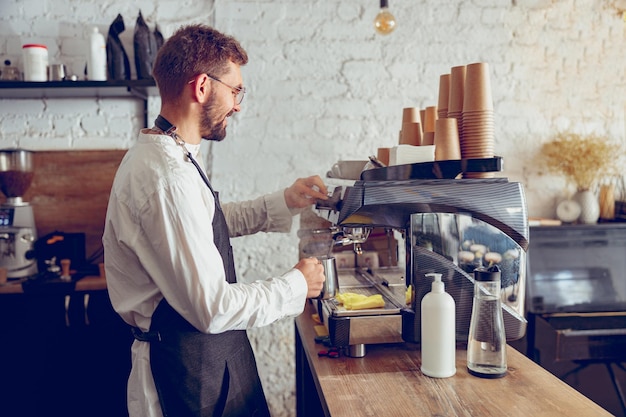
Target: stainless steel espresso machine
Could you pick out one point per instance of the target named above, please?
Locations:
(449, 226)
(17, 221)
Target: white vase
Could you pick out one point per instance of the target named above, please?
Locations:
(589, 207)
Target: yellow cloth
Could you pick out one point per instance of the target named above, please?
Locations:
(321, 330)
(352, 301)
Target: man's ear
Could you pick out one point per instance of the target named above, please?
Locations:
(201, 87)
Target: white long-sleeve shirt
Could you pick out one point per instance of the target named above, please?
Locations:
(158, 242)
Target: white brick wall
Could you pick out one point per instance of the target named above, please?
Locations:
(323, 86)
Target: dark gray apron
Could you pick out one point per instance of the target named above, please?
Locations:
(199, 374)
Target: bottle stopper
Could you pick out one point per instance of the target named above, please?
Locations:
(487, 274)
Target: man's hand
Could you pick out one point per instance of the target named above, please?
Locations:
(305, 191)
(313, 272)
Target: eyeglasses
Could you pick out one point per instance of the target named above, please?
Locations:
(238, 92)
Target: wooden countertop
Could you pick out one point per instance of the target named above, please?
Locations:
(388, 382)
(88, 283)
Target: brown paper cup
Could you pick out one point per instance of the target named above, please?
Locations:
(457, 88)
(477, 95)
(446, 140)
(383, 155)
(411, 134)
(444, 93)
(430, 119)
(410, 115)
(428, 138)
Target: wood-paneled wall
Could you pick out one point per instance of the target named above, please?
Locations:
(70, 192)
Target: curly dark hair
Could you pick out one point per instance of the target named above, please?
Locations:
(193, 50)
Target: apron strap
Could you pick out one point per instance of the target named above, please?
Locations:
(151, 336)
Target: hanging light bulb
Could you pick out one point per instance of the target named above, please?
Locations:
(384, 23)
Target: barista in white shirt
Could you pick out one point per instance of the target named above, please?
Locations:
(168, 258)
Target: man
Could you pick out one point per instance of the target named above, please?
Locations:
(168, 258)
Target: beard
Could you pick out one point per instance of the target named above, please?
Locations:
(212, 124)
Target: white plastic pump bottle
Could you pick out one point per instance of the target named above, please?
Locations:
(97, 57)
(438, 341)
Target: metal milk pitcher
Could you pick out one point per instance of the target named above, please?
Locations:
(331, 285)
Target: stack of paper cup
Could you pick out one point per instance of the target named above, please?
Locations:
(455, 96)
(447, 144)
(411, 132)
(444, 96)
(477, 140)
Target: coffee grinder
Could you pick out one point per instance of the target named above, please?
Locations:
(17, 221)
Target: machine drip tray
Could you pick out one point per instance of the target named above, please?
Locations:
(369, 326)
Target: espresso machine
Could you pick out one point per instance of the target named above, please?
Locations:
(447, 225)
(17, 221)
